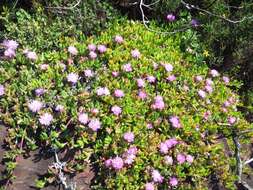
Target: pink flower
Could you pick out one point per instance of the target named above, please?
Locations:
(129, 159)
(94, 111)
(168, 160)
(164, 148)
(127, 67)
(94, 124)
(40, 91)
(92, 55)
(171, 17)
(173, 181)
(72, 50)
(103, 91)
(226, 104)
(198, 78)
(225, 79)
(207, 114)
(214, 73)
(92, 47)
(171, 142)
(149, 186)
(72, 77)
(181, 158)
(129, 137)
(59, 108)
(35, 106)
(115, 73)
(119, 93)
(118, 39)
(155, 65)
(83, 118)
(209, 89)
(116, 110)
(132, 150)
(2, 89)
(46, 119)
(231, 120)
(189, 158)
(44, 67)
(158, 103)
(140, 83)
(117, 163)
(202, 94)
(136, 54)
(102, 48)
(31, 55)
(108, 163)
(156, 176)
(142, 94)
(149, 126)
(9, 53)
(88, 73)
(168, 67)
(171, 78)
(151, 79)
(10, 44)
(209, 82)
(174, 120)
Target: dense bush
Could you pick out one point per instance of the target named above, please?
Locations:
(129, 101)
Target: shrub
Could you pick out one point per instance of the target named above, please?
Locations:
(130, 102)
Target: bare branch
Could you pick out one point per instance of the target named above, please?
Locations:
(66, 8)
(248, 161)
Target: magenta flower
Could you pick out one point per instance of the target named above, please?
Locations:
(2, 90)
(171, 78)
(72, 78)
(164, 148)
(181, 158)
(72, 50)
(189, 158)
(92, 55)
(102, 48)
(136, 53)
(116, 110)
(127, 67)
(129, 137)
(35, 106)
(171, 17)
(88, 73)
(46, 119)
(156, 176)
(173, 181)
(31, 55)
(149, 186)
(151, 79)
(92, 47)
(118, 39)
(174, 120)
(225, 79)
(59, 108)
(83, 118)
(103, 91)
(9, 53)
(140, 83)
(117, 163)
(10, 44)
(119, 93)
(231, 120)
(198, 78)
(168, 67)
(158, 103)
(94, 124)
(142, 94)
(214, 73)
(202, 94)
(168, 160)
(108, 163)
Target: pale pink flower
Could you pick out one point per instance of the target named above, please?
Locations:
(40, 91)
(149, 186)
(207, 115)
(115, 73)
(136, 53)
(209, 82)
(44, 67)
(171, 17)
(108, 163)
(46, 119)
(168, 160)
(151, 79)
(31, 55)
(72, 50)
(173, 181)
(127, 67)
(92, 47)
(59, 108)
(149, 126)
(202, 94)
(164, 148)
(88, 73)
(171, 78)
(129, 137)
(103, 91)
(189, 158)
(209, 89)
(225, 79)
(72, 77)
(129, 159)
(2, 90)
(10, 44)
(174, 120)
(214, 73)
(118, 39)
(140, 83)
(198, 78)
(94, 124)
(92, 55)
(181, 158)
(119, 93)
(94, 111)
(157, 177)
(83, 118)
(158, 103)
(232, 120)
(35, 106)
(116, 110)
(117, 163)
(142, 94)
(101, 48)
(168, 67)
(9, 53)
